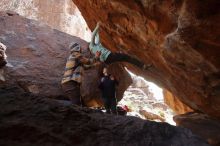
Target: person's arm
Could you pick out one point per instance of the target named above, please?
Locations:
(101, 83)
(97, 38)
(87, 66)
(88, 63)
(94, 33)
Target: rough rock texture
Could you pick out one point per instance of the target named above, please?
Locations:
(175, 104)
(59, 14)
(38, 121)
(141, 84)
(146, 106)
(37, 56)
(180, 37)
(151, 116)
(201, 125)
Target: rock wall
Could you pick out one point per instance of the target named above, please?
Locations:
(62, 15)
(37, 56)
(202, 125)
(179, 37)
(175, 104)
(37, 121)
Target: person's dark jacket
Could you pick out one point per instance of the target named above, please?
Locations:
(108, 87)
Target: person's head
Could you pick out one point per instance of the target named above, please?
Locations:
(74, 47)
(105, 71)
(112, 77)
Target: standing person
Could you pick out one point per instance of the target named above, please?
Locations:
(107, 56)
(73, 73)
(108, 89)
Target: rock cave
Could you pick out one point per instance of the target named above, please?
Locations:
(180, 38)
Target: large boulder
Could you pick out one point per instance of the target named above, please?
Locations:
(37, 56)
(179, 37)
(37, 121)
(61, 15)
(202, 125)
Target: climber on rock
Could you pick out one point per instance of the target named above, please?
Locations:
(109, 57)
(108, 89)
(73, 73)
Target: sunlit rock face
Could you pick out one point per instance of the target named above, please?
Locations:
(37, 56)
(175, 104)
(179, 37)
(59, 14)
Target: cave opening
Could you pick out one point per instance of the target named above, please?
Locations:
(145, 100)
